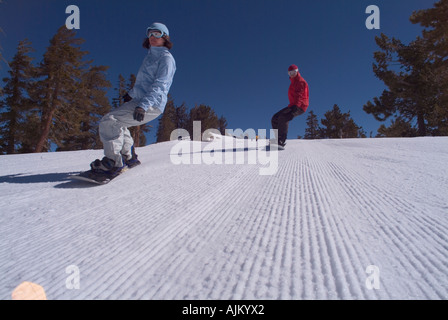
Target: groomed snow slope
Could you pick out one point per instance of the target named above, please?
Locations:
(199, 231)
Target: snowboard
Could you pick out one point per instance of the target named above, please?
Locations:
(274, 147)
(95, 177)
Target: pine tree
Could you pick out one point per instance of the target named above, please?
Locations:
(340, 125)
(60, 73)
(222, 125)
(131, 82)
(70, 96)
(333, 123)
(435, 20)
(89, 104)
(206, 116)
(182, 117)
(416, 75)
(121, 91)
(13, 118)
(412, 91)
(179, 118)
(3, 126)
(312, 131)
(1, 57)
(167, 122)
(435, 35)
(398, 128)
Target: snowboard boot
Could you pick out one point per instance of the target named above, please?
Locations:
(133, 161)
(105, 167)
(275, 144)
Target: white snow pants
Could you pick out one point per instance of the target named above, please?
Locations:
(114, 133)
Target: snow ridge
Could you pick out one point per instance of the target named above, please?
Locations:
(166, 231)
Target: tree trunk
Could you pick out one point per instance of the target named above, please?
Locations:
(136, 136)
(45, 132)
(421, 125)
(46, 121)
(12, 132)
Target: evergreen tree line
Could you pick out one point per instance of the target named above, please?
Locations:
(416, 76)
(54, 104)
(179, 117)
(58, 103)
(334, 125)
(1, 57)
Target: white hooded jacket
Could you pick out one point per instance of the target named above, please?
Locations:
(154, 79)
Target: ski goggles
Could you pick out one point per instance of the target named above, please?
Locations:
(292, 73)
(155, 33)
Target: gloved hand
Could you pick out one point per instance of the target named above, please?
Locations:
(139, 114)
(127, 98)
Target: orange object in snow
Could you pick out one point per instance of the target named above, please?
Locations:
(28, 291)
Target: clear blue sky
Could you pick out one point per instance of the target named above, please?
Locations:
(232, 55)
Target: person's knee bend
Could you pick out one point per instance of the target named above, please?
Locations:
(109, 128)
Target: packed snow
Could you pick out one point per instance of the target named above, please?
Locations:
(323, 219)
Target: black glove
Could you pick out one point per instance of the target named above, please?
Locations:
(139, 114)
(127, 98)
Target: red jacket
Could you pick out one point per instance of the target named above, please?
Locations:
(298, 93)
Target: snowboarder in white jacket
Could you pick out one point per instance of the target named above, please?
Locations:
(143, 103)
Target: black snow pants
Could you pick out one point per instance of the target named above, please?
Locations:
(280, 121)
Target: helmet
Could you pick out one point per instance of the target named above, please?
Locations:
(158, 26)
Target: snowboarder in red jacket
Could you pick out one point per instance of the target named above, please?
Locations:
(298, 95)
